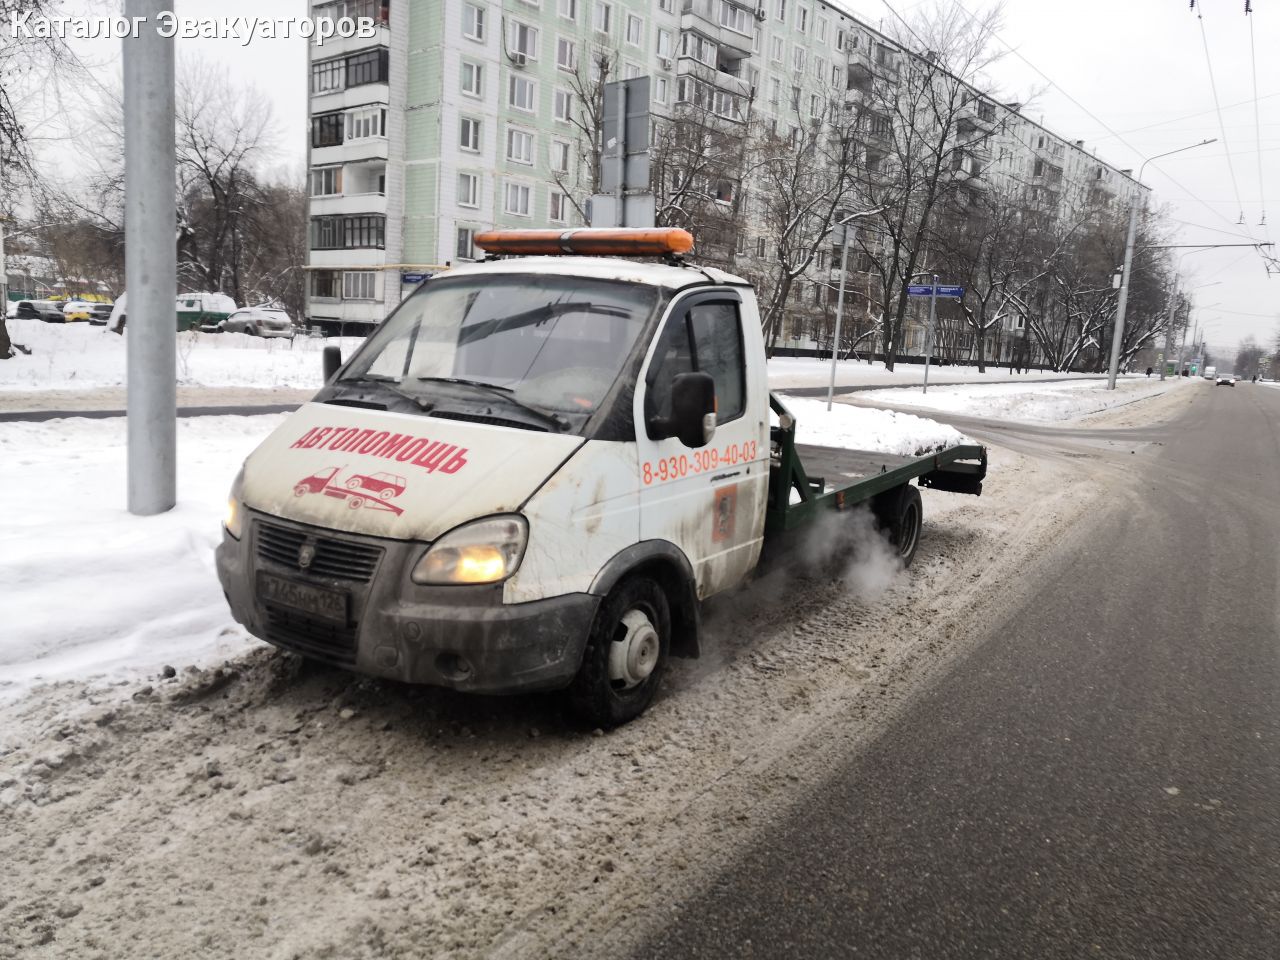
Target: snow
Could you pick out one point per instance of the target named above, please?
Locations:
(788, 373)
(80, 356)
(1030, 402)
(93, 590)
(866, 428)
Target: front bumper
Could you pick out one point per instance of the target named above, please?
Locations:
(464, 638)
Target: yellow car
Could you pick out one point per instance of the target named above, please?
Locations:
(77, 310)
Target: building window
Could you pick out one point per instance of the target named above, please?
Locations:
(326, 130)
(815, 105)
(472, 79)
(760, 242)
(664, 43)
(522, 93)
(326, 233)
(328, 76)
(563, 104)
(359, 285)
(469, 136)
(635, 30)
(665, 6)
(324, 284)
(777, 50)
(560, 153)
(465, 243)
(519, 146)
(700, 48)
(630, 71)
(566, 54)
(365, 123)
(734, 17)
(568, 9)
(359, 233)
(368, 67)
(660, 90)
(523, 38)
(558, 210)
(780, 10)
(822, 30)
(326, 182)
(517, 199)
(602, 18)
(797, 59)
(802, 19)
(472, 21)
(468, 190)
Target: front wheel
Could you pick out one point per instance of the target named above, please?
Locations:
(625, 657)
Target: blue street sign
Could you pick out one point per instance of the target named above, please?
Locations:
(926, 290)
(413, 277)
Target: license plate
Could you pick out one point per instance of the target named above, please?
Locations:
(304, 597)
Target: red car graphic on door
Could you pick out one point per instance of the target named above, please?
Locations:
(358, 489)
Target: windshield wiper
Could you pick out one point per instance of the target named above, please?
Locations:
(392, 384)
(508, 394)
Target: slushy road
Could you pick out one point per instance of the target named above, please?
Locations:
(1099, 777)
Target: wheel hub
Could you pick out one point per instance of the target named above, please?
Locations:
(633, 656)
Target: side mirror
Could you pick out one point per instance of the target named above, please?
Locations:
(332, 361)
(693, 409)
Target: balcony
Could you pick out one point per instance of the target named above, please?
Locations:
(730, 25)
(689, 67)
(352, 151)
(348, 203)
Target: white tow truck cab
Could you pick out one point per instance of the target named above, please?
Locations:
(528, 477)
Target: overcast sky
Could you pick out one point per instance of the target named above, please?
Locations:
(1129, 77)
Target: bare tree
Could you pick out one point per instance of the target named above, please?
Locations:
(924, 130)
(580, 181)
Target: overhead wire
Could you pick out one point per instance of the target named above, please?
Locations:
(1217, 106)
(1089, 113)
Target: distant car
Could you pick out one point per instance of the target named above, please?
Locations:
(1226, 380)
(100, 313)
(46, 310)
(258, 322)
(77, 310)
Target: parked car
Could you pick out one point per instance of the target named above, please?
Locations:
(195, 311)
(258, 322)
(1226, 380)
(78, 310)
(46, 310)
(100, 313)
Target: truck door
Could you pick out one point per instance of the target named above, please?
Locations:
(709, 501)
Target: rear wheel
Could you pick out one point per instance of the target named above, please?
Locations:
(900, 515)
(625, 657)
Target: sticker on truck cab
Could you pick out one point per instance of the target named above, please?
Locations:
(429, 455)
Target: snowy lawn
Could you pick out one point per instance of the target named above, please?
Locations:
(91, 589)
(1033, 402)
(865, 428)
(77, 356)
(791, 372)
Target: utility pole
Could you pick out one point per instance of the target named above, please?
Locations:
(928, 334)
(150, 259)
(835, 343)
(1117, 335)
(4, 271)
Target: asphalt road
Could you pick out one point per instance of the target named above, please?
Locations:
(1100, 777)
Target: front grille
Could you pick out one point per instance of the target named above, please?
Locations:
(310, 637)
(338, 559)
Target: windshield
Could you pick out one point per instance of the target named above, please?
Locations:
(546, 344)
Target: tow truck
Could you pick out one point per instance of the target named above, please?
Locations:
(580, 448)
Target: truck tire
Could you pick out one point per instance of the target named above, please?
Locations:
(626, 655)
(900, 514)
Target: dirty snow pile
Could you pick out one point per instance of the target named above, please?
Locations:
(91, 589)
(78, 356)
(1036, 402)
(863, 428)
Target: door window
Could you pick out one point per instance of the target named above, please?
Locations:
(707, 337)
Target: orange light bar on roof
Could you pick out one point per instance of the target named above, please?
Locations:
(588, 242)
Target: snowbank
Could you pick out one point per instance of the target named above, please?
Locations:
(865, 428)
(91, 589)
(1036, 402)
(78, 356)
(792, 372)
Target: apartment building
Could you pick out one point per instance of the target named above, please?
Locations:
(458, 117)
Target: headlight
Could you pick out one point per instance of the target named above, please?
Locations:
(485, 551)
(234, 519)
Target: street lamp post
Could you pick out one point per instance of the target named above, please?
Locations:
(844, 264)
(1118, 334)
